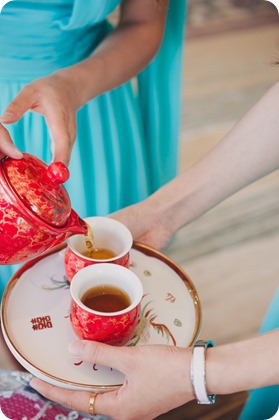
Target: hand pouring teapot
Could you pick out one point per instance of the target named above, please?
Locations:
(35, 209)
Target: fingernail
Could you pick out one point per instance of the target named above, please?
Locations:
(7, 116)
(75, 348)
(17, 154)
(35, 383)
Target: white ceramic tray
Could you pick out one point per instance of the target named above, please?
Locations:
(37, 330)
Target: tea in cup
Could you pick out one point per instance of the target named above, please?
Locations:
(107, 241)
(105, 303)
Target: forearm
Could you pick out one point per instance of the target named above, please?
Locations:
(248, 152)
(245, 365)
(123, 53)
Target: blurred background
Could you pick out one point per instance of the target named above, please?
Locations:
(231, 253)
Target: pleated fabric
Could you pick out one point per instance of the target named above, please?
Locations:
(128, 138)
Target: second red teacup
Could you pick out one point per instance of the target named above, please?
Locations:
(109, 236)
(106, 303)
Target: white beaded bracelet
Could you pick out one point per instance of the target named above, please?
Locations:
(198, 372)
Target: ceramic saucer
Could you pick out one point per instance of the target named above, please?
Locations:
(37, 330)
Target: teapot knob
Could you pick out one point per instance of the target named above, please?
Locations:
(58, 172)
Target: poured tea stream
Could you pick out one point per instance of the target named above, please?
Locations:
(95, 253)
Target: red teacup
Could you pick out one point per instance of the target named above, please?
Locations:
(115, 328)
(109, 234)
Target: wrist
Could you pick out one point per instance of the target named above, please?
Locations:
(225, 370)
(66, 79)
(83, 80)
(164, 207)
(215, 369)
(243, 365)
(229, 369)
(183, 199)
(217, 376)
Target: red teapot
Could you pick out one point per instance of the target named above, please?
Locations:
(35, 209)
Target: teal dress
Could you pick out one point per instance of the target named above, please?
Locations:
(263, 403)
(127, 139)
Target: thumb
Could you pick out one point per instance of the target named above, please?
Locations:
(107, 403)
(102, 354)
(7, 146)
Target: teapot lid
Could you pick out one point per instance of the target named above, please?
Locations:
(39, 188)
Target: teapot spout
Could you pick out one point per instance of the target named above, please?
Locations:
(75, 225)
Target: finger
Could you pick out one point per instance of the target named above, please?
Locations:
(75, 400)
(7, 146)
(22, 103)
(103, 354)
(120, 358)
(62, 138)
